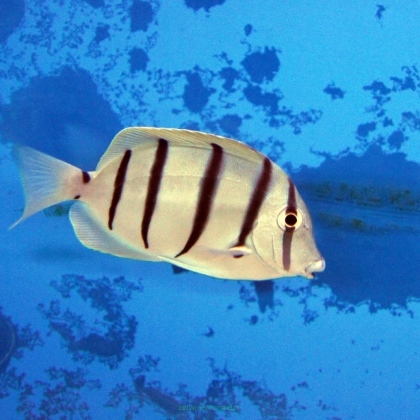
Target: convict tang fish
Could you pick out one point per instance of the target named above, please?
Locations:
(203, 202)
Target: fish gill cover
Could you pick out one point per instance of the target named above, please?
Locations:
(333, 94)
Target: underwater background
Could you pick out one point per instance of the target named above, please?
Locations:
(331, 92)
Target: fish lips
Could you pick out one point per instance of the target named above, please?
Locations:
(314, 267)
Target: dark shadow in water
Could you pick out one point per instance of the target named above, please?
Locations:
(59, 396)
(205, 4)
(109, 339)
(141, 15)
(227, 392)
(63, 116)
(15, 340)
(8, 341)
(366, 212)
(11, 15)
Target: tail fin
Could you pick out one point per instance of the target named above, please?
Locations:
(46, 180)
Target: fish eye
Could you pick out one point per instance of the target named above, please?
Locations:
(290, 218)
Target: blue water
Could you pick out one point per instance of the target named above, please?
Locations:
(328, 91)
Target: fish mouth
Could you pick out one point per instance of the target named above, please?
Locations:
(314, 267)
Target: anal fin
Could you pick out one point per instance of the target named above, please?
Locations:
(94, 235)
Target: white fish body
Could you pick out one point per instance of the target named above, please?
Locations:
(203, 202)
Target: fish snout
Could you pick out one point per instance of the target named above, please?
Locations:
(314, 267)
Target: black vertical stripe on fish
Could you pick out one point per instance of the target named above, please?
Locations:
(153, 188)
(288, 234)
(257, 198)
(85, 177)
(206, 197)
(118, 187)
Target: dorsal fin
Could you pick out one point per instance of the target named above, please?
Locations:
(144, 137)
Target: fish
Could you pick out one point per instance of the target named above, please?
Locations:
(200, 201)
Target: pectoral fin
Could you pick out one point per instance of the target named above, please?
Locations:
(239, 251)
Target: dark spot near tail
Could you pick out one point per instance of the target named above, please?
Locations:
(76, 197)
(86, 177)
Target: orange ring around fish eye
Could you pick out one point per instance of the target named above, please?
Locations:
(290, 218)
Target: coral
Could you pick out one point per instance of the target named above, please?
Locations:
(57, 398)
(112, 334)
(224, 394)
